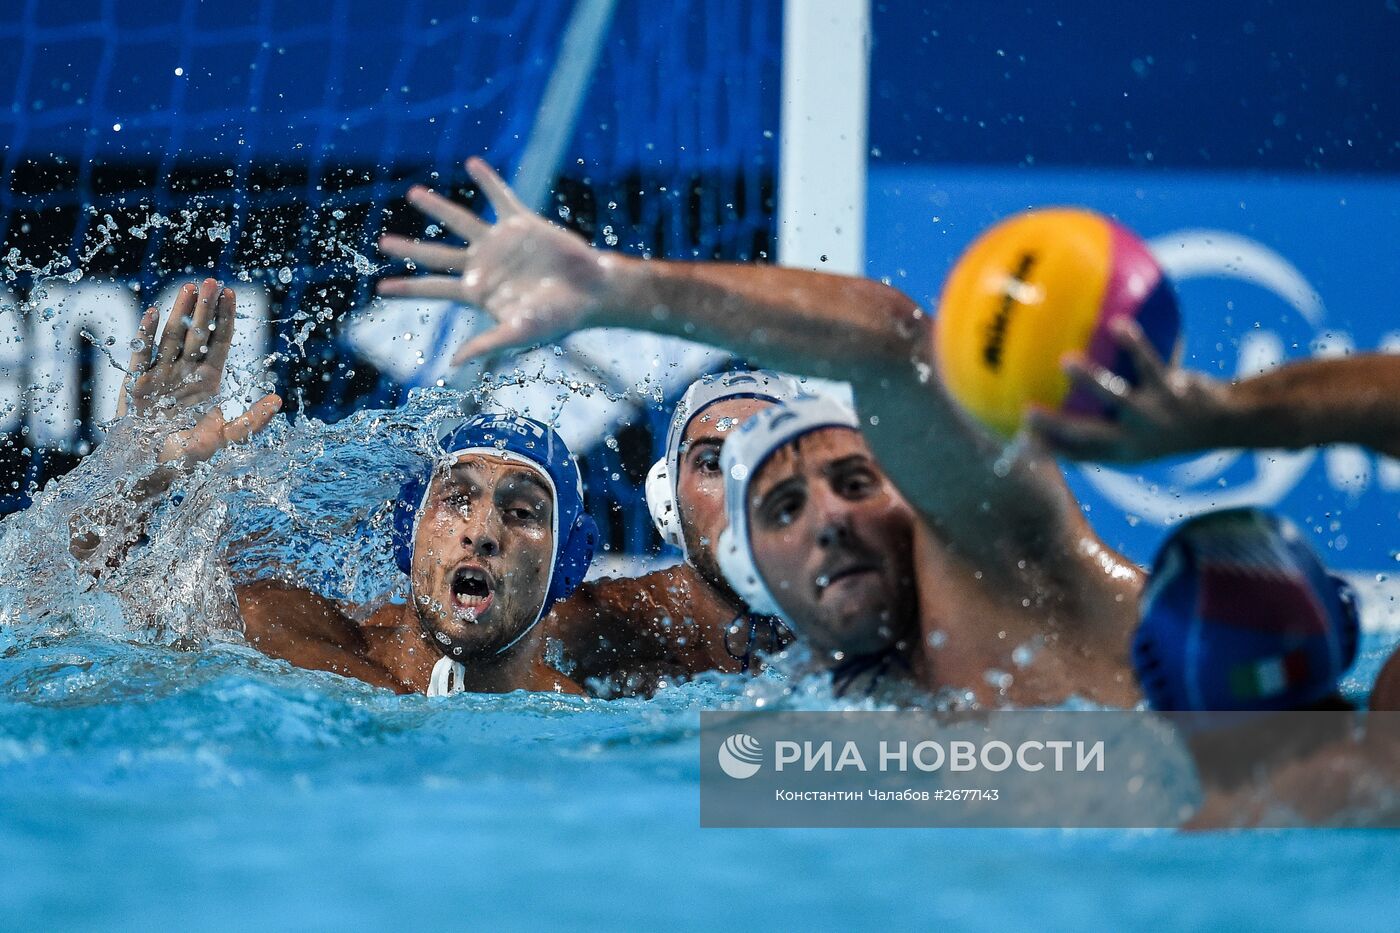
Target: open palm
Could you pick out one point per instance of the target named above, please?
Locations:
(538, 281)
(185, 371)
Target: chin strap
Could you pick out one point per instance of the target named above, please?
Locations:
(876, 667)
(774, 642)
(448, 677)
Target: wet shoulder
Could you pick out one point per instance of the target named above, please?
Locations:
(269, 604)
(655, 596)
(545, 679)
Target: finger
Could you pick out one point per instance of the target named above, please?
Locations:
(422, 286)
(451, 215)
(1151, 368)
(434, 256)
(253, 420)
(1103, 384)
(499, 193)
(221, 340)
(504, 337)
(145, 340)
(1074, 436)
(140, 356)
(197, 337)
(172, 337)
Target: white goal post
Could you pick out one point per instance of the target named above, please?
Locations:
(822, 146)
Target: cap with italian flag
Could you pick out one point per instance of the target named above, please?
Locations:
(1241, 615)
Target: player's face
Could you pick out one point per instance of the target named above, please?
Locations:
(833, 540)
(482, 555)
(699, 482)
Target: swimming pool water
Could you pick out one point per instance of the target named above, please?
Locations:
(142, 787)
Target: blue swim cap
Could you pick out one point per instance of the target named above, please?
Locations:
(513, 438)
(1241, 615)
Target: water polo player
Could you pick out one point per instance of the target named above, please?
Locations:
(819, 535)
(1244, 640)
(490, 539)
(490, 535)
(1171, 411)
(1007, 566)
(628, 635)
(1240, 615)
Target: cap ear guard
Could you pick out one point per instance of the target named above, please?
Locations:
(404, 519)
(1160, 668)
(1156, 685)
(737, 564)
(575, 556)
(662, 505)
(1349, 628)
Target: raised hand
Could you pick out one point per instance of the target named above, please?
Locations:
(1170, 410)
(185, 372)
(537, 280)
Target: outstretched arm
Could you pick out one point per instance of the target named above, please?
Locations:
(182, 374)
(1353, 400)
(541, 282)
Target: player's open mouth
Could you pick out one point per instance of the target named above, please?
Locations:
(473, 590)
(834, 578)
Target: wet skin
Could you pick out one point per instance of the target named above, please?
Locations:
(628, 636)
(1385, 695)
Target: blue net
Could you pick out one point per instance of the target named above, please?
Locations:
(270, 143)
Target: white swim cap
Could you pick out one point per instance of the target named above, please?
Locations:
(745, 451)
(664, 475)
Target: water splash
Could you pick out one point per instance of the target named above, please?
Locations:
(304, 503)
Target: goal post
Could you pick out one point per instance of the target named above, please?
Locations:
(822, 147)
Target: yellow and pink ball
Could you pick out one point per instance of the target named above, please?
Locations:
(1034, 288)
